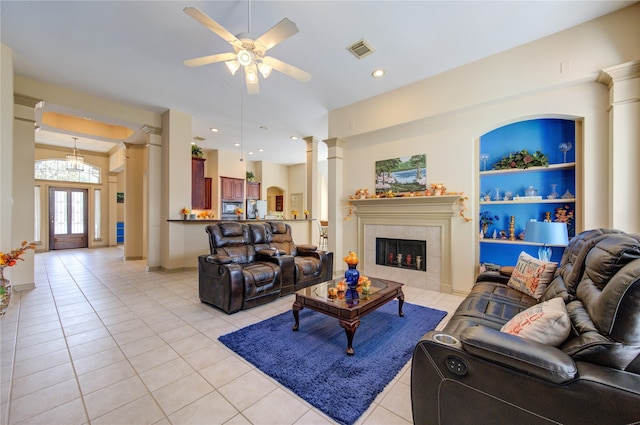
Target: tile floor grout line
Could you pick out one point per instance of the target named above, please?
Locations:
(98, 282)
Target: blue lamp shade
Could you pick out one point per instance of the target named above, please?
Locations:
(546, 233)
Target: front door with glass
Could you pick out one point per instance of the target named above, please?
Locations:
(68, 213)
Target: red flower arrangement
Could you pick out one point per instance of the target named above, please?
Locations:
(10, 259)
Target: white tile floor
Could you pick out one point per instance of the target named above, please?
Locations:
(102, 341)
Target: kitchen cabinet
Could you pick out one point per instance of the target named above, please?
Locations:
(207, 193)
(232, 189)
(198, 193)
(555, 186)
(253, 190)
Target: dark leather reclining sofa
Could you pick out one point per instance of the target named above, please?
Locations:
(253, 264)
(471, 373)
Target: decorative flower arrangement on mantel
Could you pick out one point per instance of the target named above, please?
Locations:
(522, 159)
(437, 189)
(10, 259)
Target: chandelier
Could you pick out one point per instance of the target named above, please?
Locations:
(75, 161)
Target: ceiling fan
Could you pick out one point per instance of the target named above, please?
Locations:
(247, 52)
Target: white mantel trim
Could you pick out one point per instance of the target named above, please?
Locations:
(411, 211)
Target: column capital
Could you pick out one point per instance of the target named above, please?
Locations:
(624, 71)
(335, 142)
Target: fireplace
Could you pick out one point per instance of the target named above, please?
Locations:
(419, 218)
(403, 253)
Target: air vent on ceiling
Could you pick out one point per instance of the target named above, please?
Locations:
(361, 48)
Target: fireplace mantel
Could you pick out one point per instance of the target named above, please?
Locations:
(428, 213)
(409, 204)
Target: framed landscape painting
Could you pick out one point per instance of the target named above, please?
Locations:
(404, 174)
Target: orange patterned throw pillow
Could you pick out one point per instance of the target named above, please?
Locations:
(531, 276)
(547, 323)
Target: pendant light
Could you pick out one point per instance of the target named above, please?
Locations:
(75, 162)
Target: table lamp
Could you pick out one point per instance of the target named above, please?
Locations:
(547, 233)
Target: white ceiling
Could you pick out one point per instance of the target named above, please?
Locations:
(132, 52)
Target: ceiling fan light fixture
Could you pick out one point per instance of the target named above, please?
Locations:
(233, 66)
(252, 77)
(264, 69)
(245, 57)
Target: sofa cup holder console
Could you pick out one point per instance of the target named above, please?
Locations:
(446, 339)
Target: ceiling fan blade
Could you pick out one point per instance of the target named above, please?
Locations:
(218, 29)
(279, 32)
(206, 60)
(287, 69)
(251, 78)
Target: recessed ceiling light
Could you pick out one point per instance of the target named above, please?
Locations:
(214, 130)
(250, 153)
(260, 150)
(378, 73)
(193, 143)
(236, 144)
(294, 137)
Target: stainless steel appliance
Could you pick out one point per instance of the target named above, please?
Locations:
(228, 208)
(256, 209)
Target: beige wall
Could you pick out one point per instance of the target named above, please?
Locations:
(444, 117)
(97, 160)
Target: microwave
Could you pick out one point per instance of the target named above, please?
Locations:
(229, 207)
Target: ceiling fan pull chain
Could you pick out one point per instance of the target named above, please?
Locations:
(249, 17)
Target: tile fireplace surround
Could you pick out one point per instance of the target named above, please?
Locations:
(418, 218)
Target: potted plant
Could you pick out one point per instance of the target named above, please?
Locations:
(196, 151)
(250, 176)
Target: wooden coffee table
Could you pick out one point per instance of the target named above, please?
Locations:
(317, 298)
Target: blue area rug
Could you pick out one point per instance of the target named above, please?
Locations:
(312, 361)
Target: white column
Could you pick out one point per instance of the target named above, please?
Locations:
(336, 179)
(6, 148)
(313, 188)
(153, 200)
(624, 149)
(176, 186)
(134, 202)
(113, 211)
(22, 275)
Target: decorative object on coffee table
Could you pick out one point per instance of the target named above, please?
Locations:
(345, 309)
(351, 275)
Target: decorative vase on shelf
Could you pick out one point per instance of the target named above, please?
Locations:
(553, 194)
(351, 276)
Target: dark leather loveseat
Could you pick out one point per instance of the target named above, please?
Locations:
(472, 373)
(252, 264)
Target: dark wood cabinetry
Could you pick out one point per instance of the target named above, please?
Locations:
(253, 190)
(232, 189)
(198, 187)
(207, 193)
